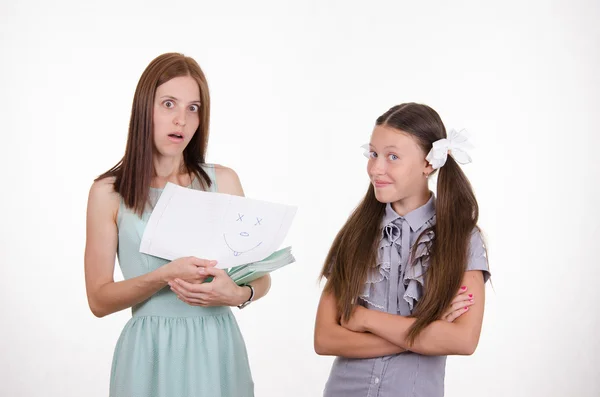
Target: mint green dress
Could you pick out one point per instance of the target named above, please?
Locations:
(169, 348)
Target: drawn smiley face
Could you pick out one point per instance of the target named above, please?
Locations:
(243, 235)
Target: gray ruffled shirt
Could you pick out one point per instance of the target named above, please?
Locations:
(395, 285)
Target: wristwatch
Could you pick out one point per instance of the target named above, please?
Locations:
(243, 305)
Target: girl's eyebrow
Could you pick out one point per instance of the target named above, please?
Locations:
(387, 147)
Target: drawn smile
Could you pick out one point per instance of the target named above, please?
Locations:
(238, 252)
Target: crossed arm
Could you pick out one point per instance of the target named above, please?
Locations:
(371, 333)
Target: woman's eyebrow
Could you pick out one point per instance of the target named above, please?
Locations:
(177, 99)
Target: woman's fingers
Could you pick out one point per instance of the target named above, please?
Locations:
(202, 262)
(191, 299)
(190, 293)
(185, 289)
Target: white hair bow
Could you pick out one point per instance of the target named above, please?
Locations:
(456, 145)
(367, 151)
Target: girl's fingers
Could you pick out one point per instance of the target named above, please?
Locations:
(460, 304)
(462, 297)
(456, 309)
(456, 314)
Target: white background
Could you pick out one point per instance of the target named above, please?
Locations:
(296, 88)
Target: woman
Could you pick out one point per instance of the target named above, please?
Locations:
(390, 309)
(182, 340)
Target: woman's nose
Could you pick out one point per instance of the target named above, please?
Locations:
(180, 118)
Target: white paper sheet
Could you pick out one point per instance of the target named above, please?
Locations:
(230, 229)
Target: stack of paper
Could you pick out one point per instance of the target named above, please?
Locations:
(251, 271)
(240, 233)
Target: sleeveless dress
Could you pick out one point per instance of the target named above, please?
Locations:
(169, 348)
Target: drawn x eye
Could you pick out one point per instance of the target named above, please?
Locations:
(258, 220)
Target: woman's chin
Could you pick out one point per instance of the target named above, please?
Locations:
(170, 151)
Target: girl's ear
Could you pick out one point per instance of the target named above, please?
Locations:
(428, 168)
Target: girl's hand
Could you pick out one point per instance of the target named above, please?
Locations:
(221, 291)
(356, 322)
(459, 306)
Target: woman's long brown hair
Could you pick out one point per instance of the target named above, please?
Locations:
(133, 174)
(354, 249)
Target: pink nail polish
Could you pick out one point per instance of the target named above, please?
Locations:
(463, 288)
(466, 307)
(470, 295)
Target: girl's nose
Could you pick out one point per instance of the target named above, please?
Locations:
(376, 167)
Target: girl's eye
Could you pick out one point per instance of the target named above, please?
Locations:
(372, 155)
(168, 104)
(194, 108)
(392, 157)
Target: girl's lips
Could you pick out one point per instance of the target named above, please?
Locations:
(381, 184)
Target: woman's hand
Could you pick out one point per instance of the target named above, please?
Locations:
(188, 268)
(221, 291)
(459, 306)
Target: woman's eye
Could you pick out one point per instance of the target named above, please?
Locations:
(373, 155)
(194, 108)
(393, 157)
(168, 104)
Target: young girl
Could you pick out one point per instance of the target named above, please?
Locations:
(182, 340)
(390, 310)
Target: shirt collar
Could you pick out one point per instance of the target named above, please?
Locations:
(416, 218)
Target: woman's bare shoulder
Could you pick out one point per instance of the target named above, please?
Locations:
(228, 180)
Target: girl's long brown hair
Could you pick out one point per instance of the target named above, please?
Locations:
(354, 249)
(133, 174)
